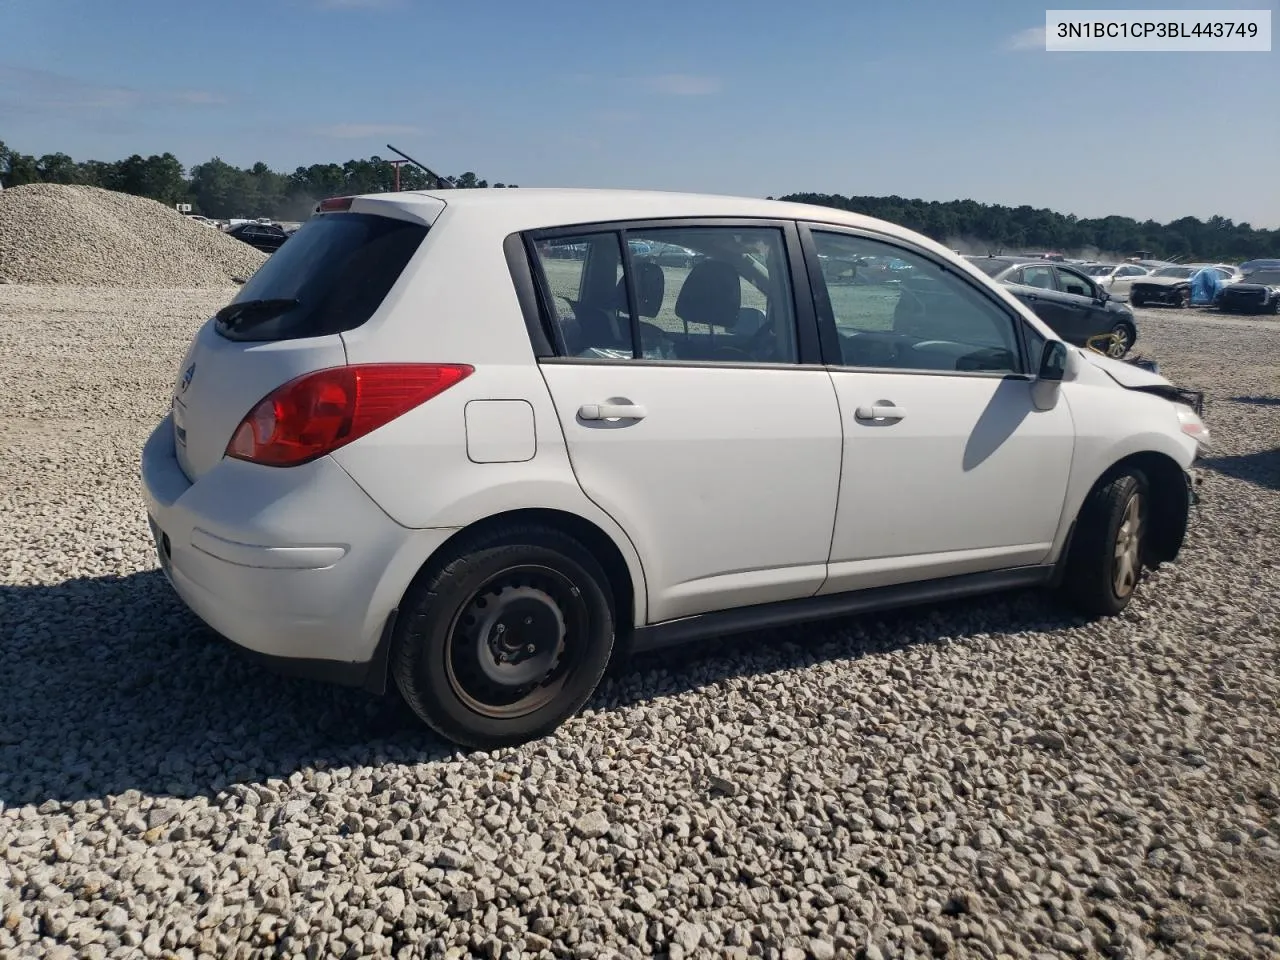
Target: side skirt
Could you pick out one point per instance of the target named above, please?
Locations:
(765, 616)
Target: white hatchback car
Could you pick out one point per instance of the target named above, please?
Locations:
(473, 443)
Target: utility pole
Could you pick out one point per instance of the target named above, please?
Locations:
(397, 164)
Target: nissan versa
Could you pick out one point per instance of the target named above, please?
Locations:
(467, 444)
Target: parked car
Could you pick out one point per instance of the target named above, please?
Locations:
(1255, 292)
(1115, 278)
(1063, 297)
(265, 236)
(453, 469)
(1171, 286)
(1251, 265)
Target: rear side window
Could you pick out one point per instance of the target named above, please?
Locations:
(329, 277)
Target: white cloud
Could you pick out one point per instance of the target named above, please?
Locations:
(684, 84)
(358, 131)
(1030, 39)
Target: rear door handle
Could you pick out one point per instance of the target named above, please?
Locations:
(611, 411)
(883, 412)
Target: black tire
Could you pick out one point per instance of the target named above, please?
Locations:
(1136, 301)
(451, 644)
(1095, 579)
(1183, 299)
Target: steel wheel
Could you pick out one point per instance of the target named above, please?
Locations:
(515, 642)
(1128, 551)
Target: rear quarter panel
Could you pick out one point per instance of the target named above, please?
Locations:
(460, 306)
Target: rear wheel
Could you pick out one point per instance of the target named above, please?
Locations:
(505, 641)
(1108, 548)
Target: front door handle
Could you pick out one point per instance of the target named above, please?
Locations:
(880, 412)
(611, 411)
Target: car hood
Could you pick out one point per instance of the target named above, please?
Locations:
(1125, 374)
(1160, 281)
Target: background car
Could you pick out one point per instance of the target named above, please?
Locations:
(265, 236)
(1064, 298)
(1115, 278)
(1171, 286)
(1256, 292)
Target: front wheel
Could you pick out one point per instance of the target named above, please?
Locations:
(1122, 340)
(505, 641)
(1108, 548)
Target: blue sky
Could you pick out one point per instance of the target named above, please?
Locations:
(939, 100)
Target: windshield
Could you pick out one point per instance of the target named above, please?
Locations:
(1267, 276)
(1098, 269)
(1181, 272)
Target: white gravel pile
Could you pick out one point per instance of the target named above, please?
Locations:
(86, 236)
(989, 779)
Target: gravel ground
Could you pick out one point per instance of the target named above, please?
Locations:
(56, 234)
(986, 779)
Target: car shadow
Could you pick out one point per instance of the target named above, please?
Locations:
(1008, 407)
(1261, 468)
(113, 685)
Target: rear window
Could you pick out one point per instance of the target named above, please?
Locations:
(329, 277)
(988, 266)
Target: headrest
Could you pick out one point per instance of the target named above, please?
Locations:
(651, 287)
(712, 294)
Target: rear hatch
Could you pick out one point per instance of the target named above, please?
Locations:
(287, 320)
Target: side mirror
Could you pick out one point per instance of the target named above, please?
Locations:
(1053, 361)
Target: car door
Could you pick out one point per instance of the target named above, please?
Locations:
(707, 428)
(1124, 280)
(1038, 289)
(1084, 308)
(949, 468)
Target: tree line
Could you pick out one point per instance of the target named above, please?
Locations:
(221, 190)
(992, 228)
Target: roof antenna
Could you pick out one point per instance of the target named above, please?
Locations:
(441, 183)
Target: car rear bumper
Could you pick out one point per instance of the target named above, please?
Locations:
(297, 565)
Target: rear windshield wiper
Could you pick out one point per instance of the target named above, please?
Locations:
(250, 313)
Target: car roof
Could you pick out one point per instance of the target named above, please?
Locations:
(529, 208)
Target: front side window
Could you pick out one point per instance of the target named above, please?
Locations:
(1041, 277)
(922, 318)
(1071, 282)
(719, 294)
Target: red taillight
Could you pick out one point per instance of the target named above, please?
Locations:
(334, 203)
(319, 412)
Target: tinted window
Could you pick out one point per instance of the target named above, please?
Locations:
(1263, 276)
(924, 318)
(701, 294)
(338, 268)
